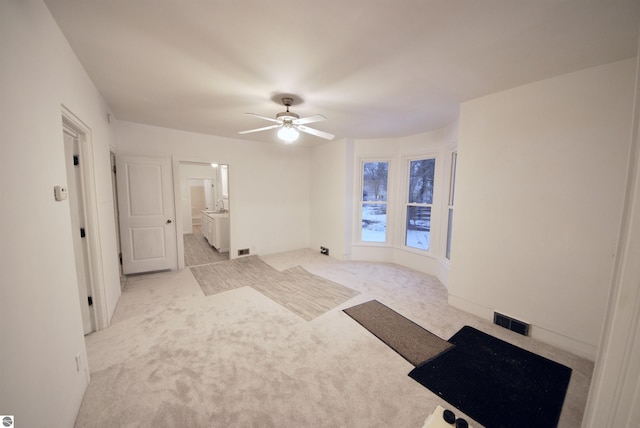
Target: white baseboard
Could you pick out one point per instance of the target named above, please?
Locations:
(559, 340)
(576, 347)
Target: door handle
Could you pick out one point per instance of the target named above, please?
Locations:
(168, 221)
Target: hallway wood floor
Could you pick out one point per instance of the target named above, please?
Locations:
(197, 250)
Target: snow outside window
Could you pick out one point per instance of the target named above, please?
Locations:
(375, 176)
(419, 203)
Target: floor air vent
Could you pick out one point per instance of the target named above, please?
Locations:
(511, 324)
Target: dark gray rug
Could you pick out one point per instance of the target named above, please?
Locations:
(412, 342)
(497, 383)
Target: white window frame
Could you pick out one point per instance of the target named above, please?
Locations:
(450, 202)
(361, 201)
(406, 203)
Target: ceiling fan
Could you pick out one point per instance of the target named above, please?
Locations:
(290, 123)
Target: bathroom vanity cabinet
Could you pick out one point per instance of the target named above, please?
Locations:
(215, 227)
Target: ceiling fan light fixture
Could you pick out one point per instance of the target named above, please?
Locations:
(290, 124)
(288, 133)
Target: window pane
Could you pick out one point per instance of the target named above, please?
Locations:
(448, 255)
(418, 227)
(374, 182)
(374, 222)
(452, 191)
(421, 181)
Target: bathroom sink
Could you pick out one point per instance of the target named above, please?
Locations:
(217, 213)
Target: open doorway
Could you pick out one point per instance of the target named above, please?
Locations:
(204, 212)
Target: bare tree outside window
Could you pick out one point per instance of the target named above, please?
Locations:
(374, 201)
(375, 178)
(419, 203)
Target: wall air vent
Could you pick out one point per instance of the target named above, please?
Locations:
(511, 324)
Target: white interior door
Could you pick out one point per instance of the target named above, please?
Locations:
(147, 223)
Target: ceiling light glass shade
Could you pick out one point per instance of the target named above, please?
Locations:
(288, 134)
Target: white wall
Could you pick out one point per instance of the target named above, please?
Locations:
(268, 182)
(439, 143)
(330, 209)
(40, 323)
(541, 172)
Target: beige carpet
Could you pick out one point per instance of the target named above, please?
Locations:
(412, 342)
(175, 358)
(295, 288)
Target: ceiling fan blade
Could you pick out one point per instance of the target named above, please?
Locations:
(309, 119)
(317, 133)
(260, 129)
(270, 119)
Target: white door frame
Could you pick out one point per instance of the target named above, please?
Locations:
(77, 210)
(116, 213)
(614, 395)
(90, 206)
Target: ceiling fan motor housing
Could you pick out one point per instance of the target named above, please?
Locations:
(287, 116)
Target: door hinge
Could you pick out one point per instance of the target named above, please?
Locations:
(120, 257)
(90, 300)
(82, 232)
(114, 169)
(76, 160)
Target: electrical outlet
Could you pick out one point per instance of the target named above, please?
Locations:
(324, 250)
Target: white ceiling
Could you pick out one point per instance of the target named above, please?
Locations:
(374, 68)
